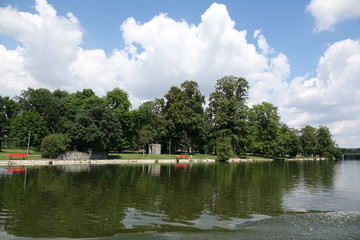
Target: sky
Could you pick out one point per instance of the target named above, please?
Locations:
(302, 56)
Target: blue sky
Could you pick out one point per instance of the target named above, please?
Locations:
(303, 56)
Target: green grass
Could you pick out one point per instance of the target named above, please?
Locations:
(33, 155)
(136, 155)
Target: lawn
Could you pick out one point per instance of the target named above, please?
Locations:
(138, 155)
(33, 155)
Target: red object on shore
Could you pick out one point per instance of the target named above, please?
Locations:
(22, 155)
(181, 156)
(15, 169)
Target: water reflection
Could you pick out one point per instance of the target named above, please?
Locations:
(99, 201)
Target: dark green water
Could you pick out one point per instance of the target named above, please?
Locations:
(266, 200)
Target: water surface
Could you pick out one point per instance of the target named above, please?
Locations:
(261, 200)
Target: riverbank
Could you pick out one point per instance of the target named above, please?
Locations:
(45, 162)
(57, 162)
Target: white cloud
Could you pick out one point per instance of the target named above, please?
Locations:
(14, 77)
(328, 12)
(163, 52)
(172, 52)
(158, 54)
(331, 98)
(50, 42)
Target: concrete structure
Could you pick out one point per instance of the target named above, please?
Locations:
(83, 155)
(154, 148)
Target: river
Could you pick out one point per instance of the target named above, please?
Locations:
(254, 200)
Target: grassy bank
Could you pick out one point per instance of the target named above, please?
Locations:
(125, 156)
(136, 155)
(33, 155)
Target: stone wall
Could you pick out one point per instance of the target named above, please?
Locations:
(83, 155)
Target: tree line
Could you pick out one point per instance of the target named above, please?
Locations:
(179, 121)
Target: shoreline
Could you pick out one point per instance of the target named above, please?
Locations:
(55, 162)
(58, 162)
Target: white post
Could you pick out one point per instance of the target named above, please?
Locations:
(28, 146)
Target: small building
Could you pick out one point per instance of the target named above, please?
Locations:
(154, 148)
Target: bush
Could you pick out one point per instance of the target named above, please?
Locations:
(224, 148)
(54, 144)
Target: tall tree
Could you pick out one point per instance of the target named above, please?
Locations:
(228, 111)
(28, 122)
(309, 141)
(118, 101)
(49, 105)
(150, 115)
(265, 122)
(8, 110)
(325, 144)
(184, 115)
(94, 127)
(288, 142)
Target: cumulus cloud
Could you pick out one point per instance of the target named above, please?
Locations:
(328, 12)
(172, 52)
(13, 75)
(158, 54)
(50, 42)
(331, 98)
(163, 52)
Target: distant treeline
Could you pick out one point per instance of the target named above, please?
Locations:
(178, 121)
(350, 150)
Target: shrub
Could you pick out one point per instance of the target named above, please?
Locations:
(224, 148)
(54, 144)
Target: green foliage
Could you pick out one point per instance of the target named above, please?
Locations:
(183, 115)
(224, 148)
(309, 141)
(54, 144)
(228, 111)
(145, 136)
(118, 99)
(94, 127)
(265, 126)
(28, 121)
(8, 110)
(51, 106)
(325, 145)
(288, 143)
(177, 121)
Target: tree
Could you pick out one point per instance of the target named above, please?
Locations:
(145, 136)
(94, 127)
(25, 123)
(325, 144)
(223, 148)
(49, 105)
(54, 144)
(118, 101)
(228, 111)
(75, 101)
(150, 114)
(309, 141)
(288, 142)
(183, 115)
(8, 110)
(265, 122)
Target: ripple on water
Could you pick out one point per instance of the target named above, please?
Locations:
(329, 226)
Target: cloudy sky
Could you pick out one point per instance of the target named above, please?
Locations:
(303, 56)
